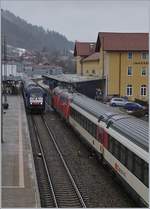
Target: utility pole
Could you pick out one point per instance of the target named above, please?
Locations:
(5, 71)
(1, 86)
(3, 83)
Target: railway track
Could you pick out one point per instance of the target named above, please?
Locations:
(57, 186)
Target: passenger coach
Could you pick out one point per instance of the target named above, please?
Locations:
(120, 140)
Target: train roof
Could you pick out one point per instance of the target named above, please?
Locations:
(133, 128)
(28, 83)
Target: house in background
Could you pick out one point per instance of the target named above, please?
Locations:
(81, 51)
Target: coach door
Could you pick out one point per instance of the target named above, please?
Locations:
(102, 137)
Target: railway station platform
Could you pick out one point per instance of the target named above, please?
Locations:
(18, 182)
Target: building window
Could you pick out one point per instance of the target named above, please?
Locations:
(144, 55)
(143, 90)
(130, 55)
(92, 47)
(143, 71)
(93, 71)
(129, 90)
(129, 71)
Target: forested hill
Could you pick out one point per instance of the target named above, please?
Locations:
(21, 34)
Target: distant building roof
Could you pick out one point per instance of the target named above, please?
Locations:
(84, 49)
(92, 57)
(42, 67)
(71, 78)
(122, 41)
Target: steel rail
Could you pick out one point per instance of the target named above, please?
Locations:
(45, 164)
(64, 163)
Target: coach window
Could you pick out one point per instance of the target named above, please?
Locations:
(146, 174)
(90, 127)
(138, 167)
(82, 120)
(76, 115)
(85, 123)
(130, 160)
(111, 144)
(122, 154)
(94, 130)
(73, 113)
(117, 149)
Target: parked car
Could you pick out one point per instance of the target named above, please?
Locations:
(133, 106)
(118, 101)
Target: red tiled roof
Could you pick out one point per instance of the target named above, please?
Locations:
(92, 57)
(123, 41)
(84, 49)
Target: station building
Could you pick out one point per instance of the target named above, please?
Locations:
(123, 64)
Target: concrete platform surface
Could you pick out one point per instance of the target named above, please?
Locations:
(19, 184)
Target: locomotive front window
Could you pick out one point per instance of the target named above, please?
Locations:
(36, 94)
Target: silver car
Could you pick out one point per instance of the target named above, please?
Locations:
(117, 101)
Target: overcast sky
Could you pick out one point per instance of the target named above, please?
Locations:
(82, 19)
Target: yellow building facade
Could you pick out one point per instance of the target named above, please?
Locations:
(91, 66)
(78, 65)
(124, 62)
(127, 77)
